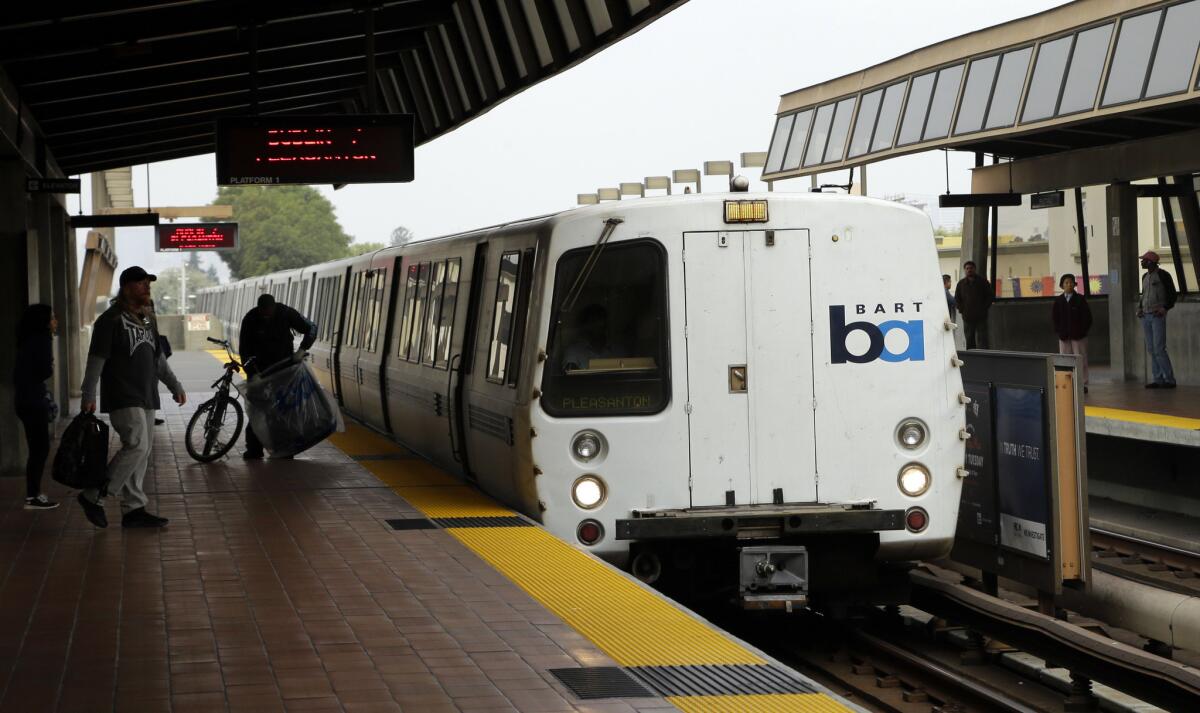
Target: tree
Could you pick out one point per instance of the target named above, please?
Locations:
(402, 236)
(166, 289)
(281, 227)
(364, 248)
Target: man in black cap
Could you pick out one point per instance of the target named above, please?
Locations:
(125, 360)
(266, 337)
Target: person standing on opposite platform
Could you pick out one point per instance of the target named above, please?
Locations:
(950, 304)
(266, 337)
(1158, 296)
(125, 360)
(35, 407)
(1072, 320)
(973, 296)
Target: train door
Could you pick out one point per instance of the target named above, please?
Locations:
(750, 389)
(377, 300)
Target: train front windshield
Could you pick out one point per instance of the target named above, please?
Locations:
(608, 351)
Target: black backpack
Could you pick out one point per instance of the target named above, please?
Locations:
(82, 457)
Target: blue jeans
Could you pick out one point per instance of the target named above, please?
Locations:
(1155, 328)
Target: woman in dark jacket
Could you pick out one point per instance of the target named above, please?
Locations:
(1072, 321)
(35, 408)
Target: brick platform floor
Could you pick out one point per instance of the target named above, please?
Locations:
(276, 587)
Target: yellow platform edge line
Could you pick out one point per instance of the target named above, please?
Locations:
(1143, 417)
(759, 703)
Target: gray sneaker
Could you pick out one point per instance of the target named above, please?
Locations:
(41, 502)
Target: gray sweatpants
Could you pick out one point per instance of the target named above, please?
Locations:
(127, 469)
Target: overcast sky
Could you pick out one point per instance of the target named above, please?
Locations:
(701, 83)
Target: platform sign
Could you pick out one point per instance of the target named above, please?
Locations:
(1050, 199)
(52, 185)
(278, 150)
(1023, 508)
(1021, 457)
(977, 509)
(181, 237)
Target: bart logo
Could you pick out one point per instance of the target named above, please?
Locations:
(877, 349)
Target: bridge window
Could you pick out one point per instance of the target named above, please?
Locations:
(841, 127)
(915, 110)
(608, 353)
(975, 96)
(1042, 99)
(1009, 83)
(889, 114)
(783, 129)
(868, 109)
(795, 147)
(1127, 73)
(820, 132)
(1176, 50)
(942, 106)
(1087, 62)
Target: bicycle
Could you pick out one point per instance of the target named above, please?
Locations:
(215, 414)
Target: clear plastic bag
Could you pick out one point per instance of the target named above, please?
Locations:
(289, 411)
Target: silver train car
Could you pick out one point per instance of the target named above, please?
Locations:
(740, 393)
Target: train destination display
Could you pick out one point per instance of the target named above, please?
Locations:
(373, 148)
(177, 237)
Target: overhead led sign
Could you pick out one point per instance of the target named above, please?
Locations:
(178, 237)
(365, 148)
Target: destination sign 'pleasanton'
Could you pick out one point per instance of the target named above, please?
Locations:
(365, 148)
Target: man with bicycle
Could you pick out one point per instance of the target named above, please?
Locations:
(125, 360)
(266, 337)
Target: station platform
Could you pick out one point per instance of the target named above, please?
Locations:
(356, 578)
(1127, 409)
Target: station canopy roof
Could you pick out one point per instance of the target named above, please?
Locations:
(114, 83)
(1086, 74)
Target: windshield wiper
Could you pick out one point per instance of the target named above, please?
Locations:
(585, 272)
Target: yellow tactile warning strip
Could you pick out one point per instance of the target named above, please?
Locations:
(628, 623)
(1149, 419)
(359, 441)
(407, 473)
(791, 702)
(453, 501)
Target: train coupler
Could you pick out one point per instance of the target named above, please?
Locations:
(773, 577)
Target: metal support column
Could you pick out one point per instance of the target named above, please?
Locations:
(1173, 239)
(994, 265)
(1189, 211)
(1124, 332)
(14, 294)
(1083, 242)
(372, 81)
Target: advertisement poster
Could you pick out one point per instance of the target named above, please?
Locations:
(1021, 469)
(977, 507)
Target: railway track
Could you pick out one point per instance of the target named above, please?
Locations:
(1147, 562)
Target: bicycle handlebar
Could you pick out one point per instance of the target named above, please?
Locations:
(216, 341)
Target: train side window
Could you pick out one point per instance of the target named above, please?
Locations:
(352, 313)
(502, 317)
(432, 313)
(368, 307)
(414, 345)
(446, 318)
(410, 310)
(376, 309)
(608, 351)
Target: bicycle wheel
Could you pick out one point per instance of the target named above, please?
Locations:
(214, 429)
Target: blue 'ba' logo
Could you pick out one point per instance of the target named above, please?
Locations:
(876, 334)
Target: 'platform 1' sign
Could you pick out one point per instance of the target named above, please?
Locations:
(176, 237)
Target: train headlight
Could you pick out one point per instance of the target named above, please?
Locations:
(911, 434)
(914, 479)
(587, 445)
(588, 492)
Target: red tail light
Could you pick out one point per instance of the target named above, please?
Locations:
(916, 519)
(589, 532)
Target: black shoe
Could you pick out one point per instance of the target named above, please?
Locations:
(41, 502)
(1154, 385)
(93, 512)
(159, 421)
(1167, 386)
(1085, 389)
(252, 455)
(141, 518)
